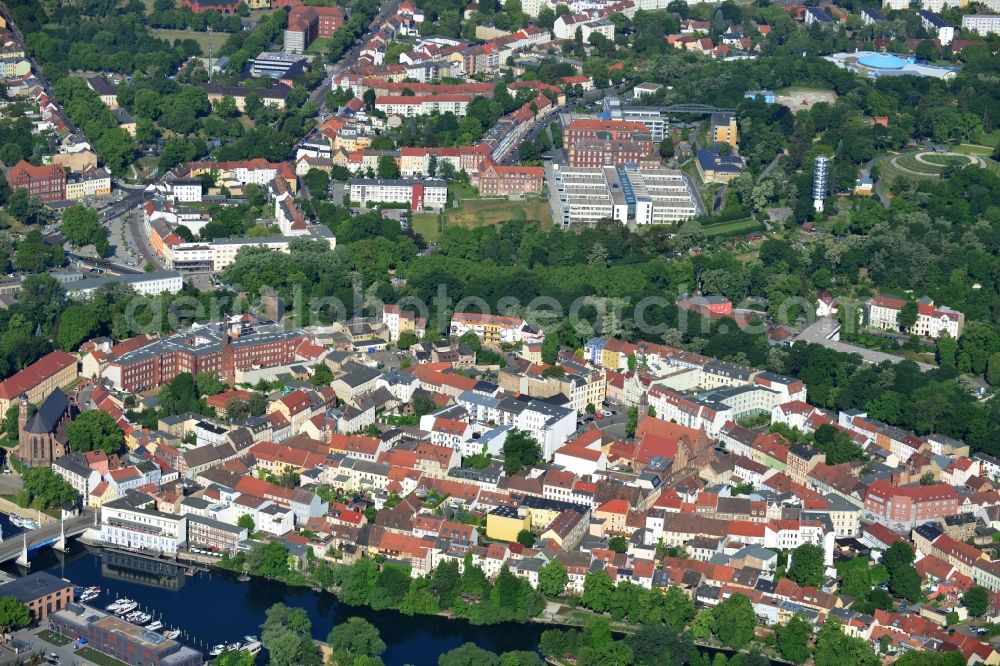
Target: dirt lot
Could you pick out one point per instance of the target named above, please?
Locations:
(798, 99)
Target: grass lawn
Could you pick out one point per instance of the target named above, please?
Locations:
(972, 149)
(218, 38)
(946, 161)
(98, 657)
(732, 227)
(319, 45)
(53, 638)
(474, 213)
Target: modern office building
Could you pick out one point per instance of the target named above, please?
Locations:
(627, 194)
(122, 640)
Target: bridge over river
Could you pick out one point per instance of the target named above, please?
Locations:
(54, 534)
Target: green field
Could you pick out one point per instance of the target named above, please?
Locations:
(972, 149)
(474, 213)
(319, 45)
(730, 228)
(946, 161)
(98, 657)
(53, 638)
(218, 38)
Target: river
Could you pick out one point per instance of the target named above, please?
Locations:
(213, 607)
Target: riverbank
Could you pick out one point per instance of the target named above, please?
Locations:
(214, 605)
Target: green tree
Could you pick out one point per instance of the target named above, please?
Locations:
(354, 638)
(406, 340)
(703, 625)
(44, 489)
(526, 538)
(520, 450)
(287, 635)
(807, 568)
(550, 348)
(904, 583)
(80, 226)
(13, 614)
(387, 167)
(598, 589)
(618, 544)
(322, 375)
(552, 578)
(907, 316)
(947, 351)
(77, 324)
(793, 640)
(246, 522)
(268, 559)
(95, 431)
(359, 582)
(735, 621)
(977, 600)
(993, 369)
(835, 648)
(234, 658)
(208, 383)
(468, 654)
(897, 555)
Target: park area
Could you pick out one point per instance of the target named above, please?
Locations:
(472, 213)
(931, 165)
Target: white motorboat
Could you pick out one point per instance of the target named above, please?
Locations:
(126, 606)
(250, 639)
(155, 626)
(253, 647)
(114, 606)
(172, 634)
(216, 650)
(16, 521)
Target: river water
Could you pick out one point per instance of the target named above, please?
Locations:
(214, 607)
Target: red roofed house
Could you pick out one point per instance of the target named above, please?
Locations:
(614, 513)
(38, 379)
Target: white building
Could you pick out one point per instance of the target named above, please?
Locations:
(145, 284)
(409, 106)
(937, 26)
(932, 5)
(626, 194)
(882, 313)
(131, 522)
(495, 330)
(430, 193)
(981, 24)
(184, 190)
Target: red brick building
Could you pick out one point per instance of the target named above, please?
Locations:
(221, 6)
(901, 508)
(305, 24)
(47, 183)
(599, 143)
(203, 349)
(499, 180)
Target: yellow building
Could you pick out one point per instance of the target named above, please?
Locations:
(90, 183)
(504, 524)
(99, 496)
(259, 4)
(724, 128)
